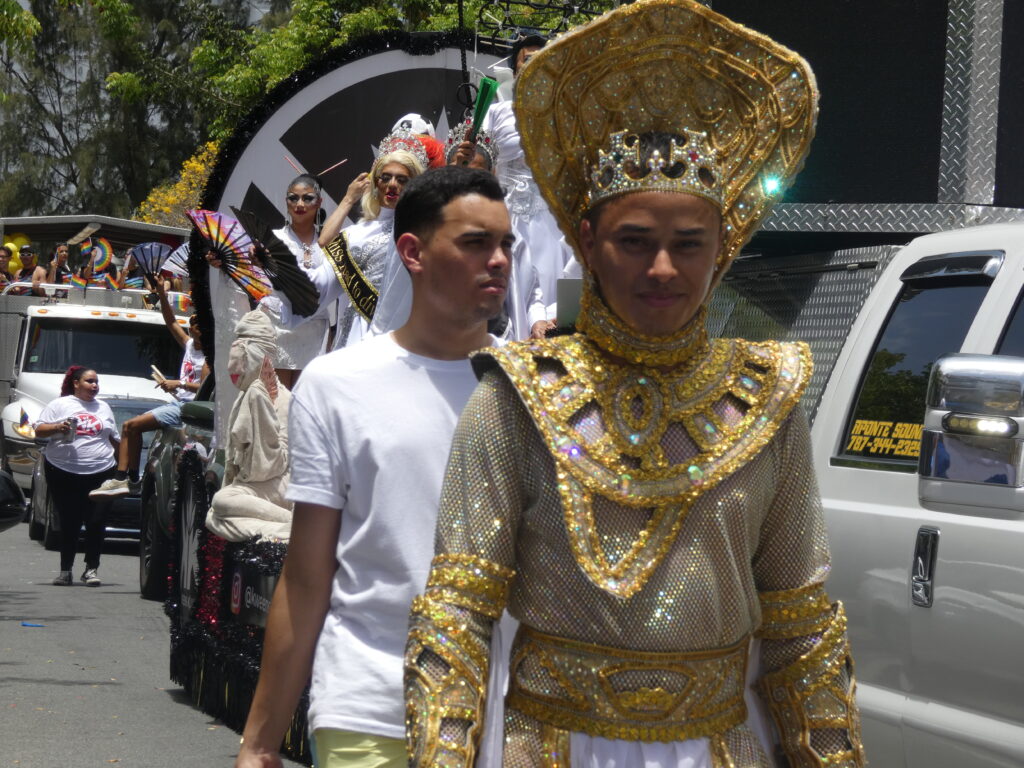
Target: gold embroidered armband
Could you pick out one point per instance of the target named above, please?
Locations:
(813, 705)
(446, 658)
(794, 612)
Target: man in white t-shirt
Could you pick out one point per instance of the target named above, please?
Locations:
(190, 377)
(370, 428)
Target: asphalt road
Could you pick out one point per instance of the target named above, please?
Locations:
(89, 688)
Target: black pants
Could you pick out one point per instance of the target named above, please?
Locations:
(70, 493)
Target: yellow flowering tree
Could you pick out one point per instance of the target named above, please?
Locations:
(167, 203)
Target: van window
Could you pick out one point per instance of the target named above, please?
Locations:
(1012, 342)
(930, 318)
(109, 346)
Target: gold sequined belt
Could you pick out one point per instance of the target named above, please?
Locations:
(633, 695)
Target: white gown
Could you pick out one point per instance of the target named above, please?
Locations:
(525, 300)
(372, 247)
(300, 339)
(532, 221)
(229, 304)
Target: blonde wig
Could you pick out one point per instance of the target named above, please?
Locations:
(371, 201)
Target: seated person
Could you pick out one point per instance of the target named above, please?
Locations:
(193, 371)
(252, 501)
(5, 265)
(28, 264)
(55, 272)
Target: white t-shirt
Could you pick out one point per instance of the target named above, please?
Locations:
(191, 371)
(91, 451)
(370, 429)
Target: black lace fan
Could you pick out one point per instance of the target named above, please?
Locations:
(280, 264)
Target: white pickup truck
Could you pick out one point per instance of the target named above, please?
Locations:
(41, 336)
(930, 564)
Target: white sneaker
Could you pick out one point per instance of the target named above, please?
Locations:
(90, 578)
(111, 487)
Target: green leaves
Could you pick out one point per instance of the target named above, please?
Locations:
(17, 27)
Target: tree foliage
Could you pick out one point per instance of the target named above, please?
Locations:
(113, 96)
(167, 203)
(17, 26)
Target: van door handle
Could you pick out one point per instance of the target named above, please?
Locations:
(922, 570)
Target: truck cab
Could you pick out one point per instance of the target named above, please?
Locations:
(41, 338)
(935, 598)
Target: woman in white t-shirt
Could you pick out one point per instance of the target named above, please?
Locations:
(78, 458)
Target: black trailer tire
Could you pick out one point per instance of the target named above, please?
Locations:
(51, 537)
(36, 529)
(154, 553)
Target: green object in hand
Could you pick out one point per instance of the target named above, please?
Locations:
(485, 93)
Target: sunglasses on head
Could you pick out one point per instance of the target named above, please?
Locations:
(307, 198)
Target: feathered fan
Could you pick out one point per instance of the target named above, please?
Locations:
(151, 257)
(280, 264)
(226, 237)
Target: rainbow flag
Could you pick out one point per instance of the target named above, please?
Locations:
(86, 248)
(110, 282)
(102, 254)
(134, 282)
(78, 281)
(24, 428)
(181, 303)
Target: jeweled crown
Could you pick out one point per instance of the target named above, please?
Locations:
(691, 168)
(484, 143)
(403, 140)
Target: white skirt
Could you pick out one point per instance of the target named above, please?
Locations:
(297, 348)
(587, 751)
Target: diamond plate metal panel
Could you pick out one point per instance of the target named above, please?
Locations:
(897, 218)
(970, 108)
(811, 297)
(955, 101)
(983, 112)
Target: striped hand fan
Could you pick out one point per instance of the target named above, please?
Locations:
(102, 254)
(177, 262)
(150, 257)
(227, 238)
(280, 264)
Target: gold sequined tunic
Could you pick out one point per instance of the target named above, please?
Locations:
(642, 526)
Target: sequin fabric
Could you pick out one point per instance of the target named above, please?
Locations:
(370, 245)
(699, 570)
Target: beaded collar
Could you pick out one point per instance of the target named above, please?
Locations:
(601, 326)
(563, 378)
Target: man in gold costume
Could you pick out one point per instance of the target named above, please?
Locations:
(642, 498)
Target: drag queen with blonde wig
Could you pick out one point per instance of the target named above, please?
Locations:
(363, 256)
(641, 497)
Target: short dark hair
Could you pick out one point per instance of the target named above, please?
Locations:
(419, 208)
(525, 41)
(10, 253)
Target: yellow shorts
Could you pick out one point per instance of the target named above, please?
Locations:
(348, 749)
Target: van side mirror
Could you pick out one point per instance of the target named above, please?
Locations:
(972, 444)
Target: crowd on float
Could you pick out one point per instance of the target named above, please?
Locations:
(512, 546)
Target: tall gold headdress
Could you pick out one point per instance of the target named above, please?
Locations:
(746, 105)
